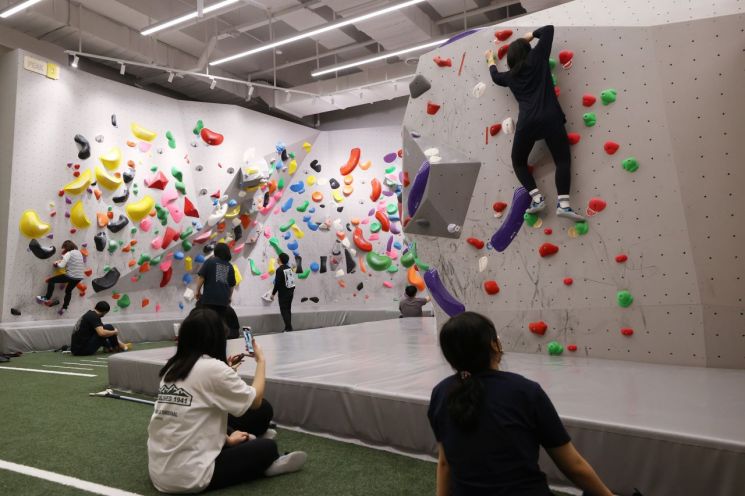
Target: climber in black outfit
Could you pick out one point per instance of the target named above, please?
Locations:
(540, 115)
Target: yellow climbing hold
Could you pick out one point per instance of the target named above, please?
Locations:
(306, 147)
(272, 266)
(299, 234)
(107, 180)
(292, 167)
(138, 210)
(337, 196)
(348, 190)
(78, 217)
(80, 183)
(348, 179)
(311, 180)
(31, 225)
(112, 158)
(233, 212)
(142, 133)
(366, 165)
(238, 276)
(188, 264)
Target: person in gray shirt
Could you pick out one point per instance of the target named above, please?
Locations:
(410, 305)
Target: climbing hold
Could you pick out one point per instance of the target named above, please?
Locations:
(503, 34)
(189, 209)
(117, 225)
(142, 133)
(443, 62)
(572, 347)
(140, 209)
(211, 137)
(595, 205)
(78, 217)
(306, 146)
(79, 184)
(573, 138)
(538, 327)
(627, 331)
(590, 119)
(508, 125)
(417, 188)
(384, 221)
(315, 165)
(42, 252)
(112, 158)
(621, 258)
(611, 147)
(157, 181)
(360, 241)
(548, 249)
(476, 243)
(581, 228)
(514, 221)
(568, 281)
(100, 240)
(555, 348)
(491, 287)
(630, 164)
(441, 295)
(376, 189)
(432, 108)
(588, 100)
(102, 219)
(107, 281)
(548, 231)
(377, 261)
(414, 278)
(171, 140)
(84, 147)
(608, 96)
(333, 183)
(317, 196)
(166, 278)
(198, 128)
(532, 220)
(494, 129)
(624, 299)
(417, 87)
(478, 90)
(408, 259)
(565, 58)
(106, 180)
(287, 205)
(354, 159)
(121, 198)
(499, 208)
(502, 51)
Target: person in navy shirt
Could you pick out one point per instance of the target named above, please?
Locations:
(490, 424)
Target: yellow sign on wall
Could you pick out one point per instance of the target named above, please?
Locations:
(42, 67)
(52, 71)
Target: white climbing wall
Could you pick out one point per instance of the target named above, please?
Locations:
(678, 69)
(49, 113)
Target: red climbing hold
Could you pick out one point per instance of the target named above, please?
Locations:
(211, 137)
(548, 231)
(503, 35)
(432, 108)
(621, 258)
(548, 249)
(407, 181)
(443, 62)
(611, 147)
(376, 189)
(158, 181)
(627, 331)
(476, 243)
(573, 138)
(360, 241)
(354, 159)
(572, 347)
(491, 287)
(499, 206)
(502, 51)
(568, 281)
(189, 209)
(400, 153)
(166, 276)
(588, 100)
(565, 58)
(170, 235)
(538, 327)
(596, 205)
(216, 195)
(557, 91)
(385, 223)
(493, 130)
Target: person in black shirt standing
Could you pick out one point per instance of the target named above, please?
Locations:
(90, 333)
(217, 278)
(284, 284)
(540, 115)
(490, 424)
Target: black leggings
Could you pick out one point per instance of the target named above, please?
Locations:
(285, 308)
(558, 144)
(249, 460)
(95, 342)
(62, 278)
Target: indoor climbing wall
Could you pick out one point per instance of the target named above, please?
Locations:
(146, 185)
(655, 106)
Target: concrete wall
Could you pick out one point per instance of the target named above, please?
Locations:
(680, 113)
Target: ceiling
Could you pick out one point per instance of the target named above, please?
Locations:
(111, 28)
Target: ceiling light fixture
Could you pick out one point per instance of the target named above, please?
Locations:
(122, 69)
(250, 92)
(75, 60)
(184, 18)
(370, 60)
(14, 9)
(316, 32)
(213, 84)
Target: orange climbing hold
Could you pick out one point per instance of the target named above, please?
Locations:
(377, 189)
(354, 159)
(145, 302)
(539, 327)
(385, 223)
(348, 180)
(414, 278)
(102, 219)
(317, 196)
(360, 241)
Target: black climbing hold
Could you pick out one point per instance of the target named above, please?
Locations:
(298, 264)
(339, 209)
(15, 311)
(351, 264)
(322, 205)
(128, 175)
(266, 200)
(118, 224)
(84, 148)
(113, 120)
(209, 248)
(348, 227)
(360, 286)
(107, 281)
(41, 251)
(314, 299)
(315, 166)
(333, 183)
(100, 240)
(284, 155)
(419, 86)
(303, 299)
(336, 249)
(237, 232)
(323, 265)
(121, 198)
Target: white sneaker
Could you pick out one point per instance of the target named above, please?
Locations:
(285, 464)
(269, 434)
(568, 213)
(536, 207)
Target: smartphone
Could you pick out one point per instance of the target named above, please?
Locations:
(248, 337)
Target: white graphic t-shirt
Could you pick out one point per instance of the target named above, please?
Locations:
(189, 424)
(289, 278)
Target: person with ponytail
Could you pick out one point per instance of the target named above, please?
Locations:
(489, 424)
(540, 116)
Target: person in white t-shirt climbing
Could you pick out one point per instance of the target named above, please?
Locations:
(72, 270)
(284, 284)
(209, 429)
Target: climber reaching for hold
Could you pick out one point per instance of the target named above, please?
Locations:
(540, 115)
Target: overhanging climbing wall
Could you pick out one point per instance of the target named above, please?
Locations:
(667, 233)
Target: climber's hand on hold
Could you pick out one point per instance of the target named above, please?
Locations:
(490, 57)
(528, 37)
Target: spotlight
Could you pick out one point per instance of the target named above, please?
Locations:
(75, 60)
(170, 77)
(122, 69)
(213, 84)
(288, 95)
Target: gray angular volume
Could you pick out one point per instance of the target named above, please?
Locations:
(419, 86)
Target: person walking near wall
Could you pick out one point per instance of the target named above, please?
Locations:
(216, 282)
(72, 267)
(540, 116)
(284, 284)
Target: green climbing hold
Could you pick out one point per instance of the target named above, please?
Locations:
(153, 168)
(284, 227)
(186, 245)
(281, 183)
(581, 227)
(143, 258)
(292, 154)
(198, 128)
(375, 226)
(630, 164)
(133, 231)
(176, 172)
(303, 207)
(553, 79)
(110, 209)
(552, 63)
(624, 299)
(390, 169)
(608, 96)
(180, 187)
(123, 301)
(156, 260)
(106, 268)
(378, 262)
(274, 242)
(171, 139)
(392, 209)
(254, 269)
(555, 348)
(590, 119)
(113, 246)
(304, 274)
(187, 232)
(392, 269)
(422, 266)
(407, 260)
(530, 219)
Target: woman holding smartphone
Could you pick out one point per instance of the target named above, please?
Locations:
(210, 429)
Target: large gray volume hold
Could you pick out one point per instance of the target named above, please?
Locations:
(419, 86)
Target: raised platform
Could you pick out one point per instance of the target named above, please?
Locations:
(51, 334)
(667, 430)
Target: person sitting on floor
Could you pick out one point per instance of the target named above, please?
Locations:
(410, 305)
(90, 333)
(209, 429)
(489, 424)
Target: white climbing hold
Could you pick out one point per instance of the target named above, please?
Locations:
(453, 228)
(508, 125)
(478, 90)
(483, 262)
(435, 159)
(431, 151)
(339, 273)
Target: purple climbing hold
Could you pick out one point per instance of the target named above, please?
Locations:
(417, 188)
(514, 221)
(390, 157)
(441, 295)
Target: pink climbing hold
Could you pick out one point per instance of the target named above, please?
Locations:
(573, 138)
(503, 35)
(565, 58)
(388, 284)
(443, 62)
(588, 100)
(611, 147)
(539, 327)
(548, 249)
(621, 258)
(432, 108)
(627, 331)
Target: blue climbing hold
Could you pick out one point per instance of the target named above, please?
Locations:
(288, 205)
(187, 278)
(314, 266)
(199, 258)
(179, 255)
(292, 245)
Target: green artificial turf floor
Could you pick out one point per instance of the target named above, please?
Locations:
(50, 422)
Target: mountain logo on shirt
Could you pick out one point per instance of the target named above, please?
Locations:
(169, 393)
